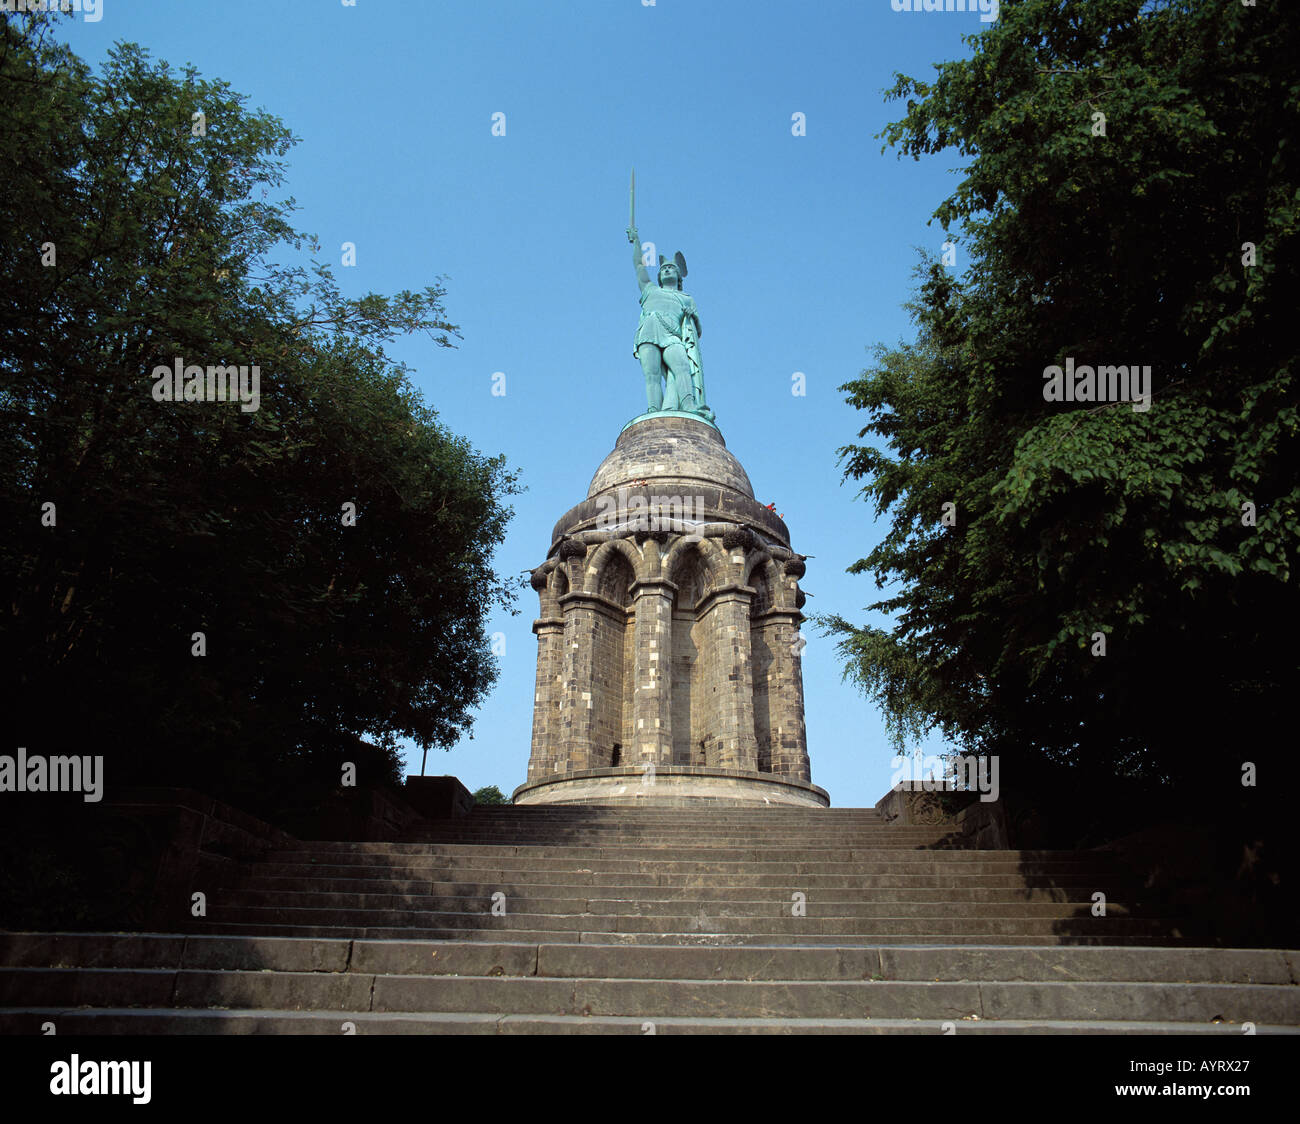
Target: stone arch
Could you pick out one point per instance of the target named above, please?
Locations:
(614, 579)
(693, 655)
(603, 557)
(610, 577)
(691, 576)
(710, 557)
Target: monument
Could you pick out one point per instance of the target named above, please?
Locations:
(668, 646)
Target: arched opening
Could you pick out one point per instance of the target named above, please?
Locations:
(693, 740)
(612, 655)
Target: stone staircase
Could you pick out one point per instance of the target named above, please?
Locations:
(656, 920)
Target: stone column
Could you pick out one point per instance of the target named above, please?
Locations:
(652, 728)
(785, 695)
(546, 697)
(729, 675)
(577, 702)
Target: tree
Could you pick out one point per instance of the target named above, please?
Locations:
(333, 545)
(490, 794)
(1122, 156)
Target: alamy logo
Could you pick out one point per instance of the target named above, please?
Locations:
(649, 513)
(101, 1078)
(948, 773)
(92, 11)
(989, 9)
(179, 383)
(53, 774)
(1102, 384)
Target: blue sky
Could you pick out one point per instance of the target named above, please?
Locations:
(800, 248)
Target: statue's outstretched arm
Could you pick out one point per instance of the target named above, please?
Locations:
(642, 276)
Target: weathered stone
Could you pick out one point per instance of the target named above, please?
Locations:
(657, 919)
(668, 635)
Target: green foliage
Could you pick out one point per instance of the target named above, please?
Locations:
(490, 794)
(176, 518)
(1074, 519)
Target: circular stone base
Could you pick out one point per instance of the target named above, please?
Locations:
(672, 786)
(649, 415)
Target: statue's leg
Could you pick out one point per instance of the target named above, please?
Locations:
(681, 390)
(653, 367)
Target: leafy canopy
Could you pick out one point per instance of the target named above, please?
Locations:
(1077, 518)
(133, 234)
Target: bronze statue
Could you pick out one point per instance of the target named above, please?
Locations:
(668, 334)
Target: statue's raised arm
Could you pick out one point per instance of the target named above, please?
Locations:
(638, 259)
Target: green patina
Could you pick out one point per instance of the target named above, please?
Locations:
(667, 340)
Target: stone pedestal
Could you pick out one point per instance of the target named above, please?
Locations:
(668, 634)
(674, 786)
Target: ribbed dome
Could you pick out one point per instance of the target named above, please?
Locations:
(670, 450)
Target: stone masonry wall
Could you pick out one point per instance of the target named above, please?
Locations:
(678, 676)
(670, 611)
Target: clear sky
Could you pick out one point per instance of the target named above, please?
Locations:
(800, 249)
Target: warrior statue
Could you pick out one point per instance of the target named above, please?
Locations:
(668, 334)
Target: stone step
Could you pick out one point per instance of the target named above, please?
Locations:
(1169, 938)
(419, 830)
(495, 868)
(412, 957)
(677, 834)
(717, 821)
(702, 922)
(622, 917)
(379, 852)
(364, 866)
(649, 998)
(641, 880)
(747, 848)
(129, 1021)
(831, 841)
(667, 848)
(815, 905)
(534, 891)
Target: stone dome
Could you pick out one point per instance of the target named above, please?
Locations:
(671, 449)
